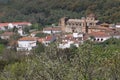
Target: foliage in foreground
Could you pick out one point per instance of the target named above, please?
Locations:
(88, 62)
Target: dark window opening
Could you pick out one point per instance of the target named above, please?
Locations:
(101, 39)
(97, 39)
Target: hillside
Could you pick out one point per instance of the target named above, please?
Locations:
(49, 11)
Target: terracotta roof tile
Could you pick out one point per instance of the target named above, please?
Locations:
(7, 34)
(41, 40)
(48, 38)
(27, 39)
(21, 23)
(99, 34)
(4, 24)
(52, 28)
(14, 23)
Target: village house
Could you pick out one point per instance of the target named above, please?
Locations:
(3, 26)
(71, 39)
(6, 35)
(100, 28)
(51, 30)
(116, 34)
(117, 25)
(47, 40)
(11, 25)
(20, 32)
(99, 36)
(26, 43)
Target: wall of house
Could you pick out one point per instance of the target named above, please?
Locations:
(66, 45)
(10, 26)
(2, 28)
(116, 36)
(5, 37)
(50, 32)
(76, 35)
(26, 44)
(117, 26)
(20, 31)
(100, 39)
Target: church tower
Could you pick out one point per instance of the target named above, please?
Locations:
(62, 23)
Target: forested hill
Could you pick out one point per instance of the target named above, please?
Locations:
(49, 11)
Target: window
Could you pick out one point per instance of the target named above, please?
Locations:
(73, 30)
(101, 39)
(97, 39)
(90, 24)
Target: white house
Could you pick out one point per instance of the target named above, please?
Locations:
(50, 30)
(49, 39)
(11, 25)
(116, 35)
(99, 36)
(3, 26)
(26, 43)
(20, 32)
(71, 39)
(78, 35)
(117, 25)
(66, 45)
(7, 35)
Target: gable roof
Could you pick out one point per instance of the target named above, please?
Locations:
(99, 34)
(14, 23)
(27, 39)
(48, 38)
(4, 24)
(21, 23)
(102, 28)
(52, 28)
(7, 34)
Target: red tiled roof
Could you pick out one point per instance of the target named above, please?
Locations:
(27, 39)
(102, 28)
(7, 34)
(21, 23)
(104, 24)
(4, 24)
(14, 23)
(99, 34)
(48, 38)
(52, 28)
(41, 40)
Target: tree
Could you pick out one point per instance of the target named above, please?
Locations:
(88, 62)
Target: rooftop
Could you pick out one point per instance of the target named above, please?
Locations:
(99, 34)
(7, 34)
(14, 23)
(52, 28)
(27, 39)
(48, 38)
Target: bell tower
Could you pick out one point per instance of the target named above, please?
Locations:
(62, 23)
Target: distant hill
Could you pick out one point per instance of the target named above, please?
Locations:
(49, 11)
